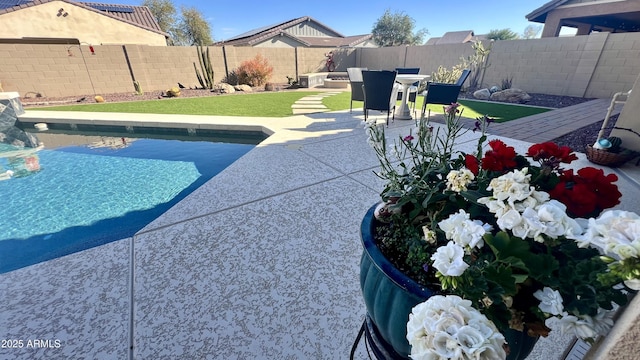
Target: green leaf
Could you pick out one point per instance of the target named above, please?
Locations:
(541, 268)
(504, 246)
(503, 277)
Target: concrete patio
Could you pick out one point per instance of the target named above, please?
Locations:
(259, 263)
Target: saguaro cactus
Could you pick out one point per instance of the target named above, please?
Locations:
(206, 77)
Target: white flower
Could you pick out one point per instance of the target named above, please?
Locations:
(448, 260)
(448, 327)
(550, 301)
(509, 220)
(603, 321)
(633, 284)
(429, 235)
(463, 231)
(615, 233)
(582, 327)
(457, 180)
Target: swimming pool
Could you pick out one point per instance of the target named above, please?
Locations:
(85, 190)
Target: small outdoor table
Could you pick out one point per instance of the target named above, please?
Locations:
(403, 112)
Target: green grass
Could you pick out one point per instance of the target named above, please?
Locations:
(273, 104)
(278, 104)
(472, 109)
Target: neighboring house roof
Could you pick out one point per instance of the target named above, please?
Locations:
(139, 16)
(259, 35)
(540, 14)
(454, 37)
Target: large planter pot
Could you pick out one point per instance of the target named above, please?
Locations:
(389, 296)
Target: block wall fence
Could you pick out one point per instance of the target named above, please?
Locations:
(596, 65)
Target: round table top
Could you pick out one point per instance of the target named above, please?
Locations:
(410, 78)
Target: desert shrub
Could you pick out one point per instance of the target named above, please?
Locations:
(254, 72)
(447, 76)
(507, 83)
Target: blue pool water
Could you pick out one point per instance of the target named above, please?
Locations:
(63, 200)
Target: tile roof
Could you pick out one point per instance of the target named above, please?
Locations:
(139, 16)
(453, 37)
(264, 33)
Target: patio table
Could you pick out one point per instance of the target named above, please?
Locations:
(403, 112)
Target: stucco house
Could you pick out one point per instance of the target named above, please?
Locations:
(91, 23)
(301, 32)
(588, 16)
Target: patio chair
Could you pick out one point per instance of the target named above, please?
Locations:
(355, 80)
(444, 94)
(380, 91)
(413, 90)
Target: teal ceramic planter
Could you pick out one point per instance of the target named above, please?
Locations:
(389, 296)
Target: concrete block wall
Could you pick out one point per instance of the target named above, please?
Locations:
(50, 71)
(160, 68)
(596, 65)
(618, 65)
(537, 66)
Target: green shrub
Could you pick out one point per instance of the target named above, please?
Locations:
(254, 72)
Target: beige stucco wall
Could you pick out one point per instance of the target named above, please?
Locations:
(88, 26)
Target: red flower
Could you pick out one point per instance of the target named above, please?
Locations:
(551, 152)
(500, 158)
(408, 138)
(471, 163)
(588, 192)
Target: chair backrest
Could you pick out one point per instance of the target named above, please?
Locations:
(378, 88)
(463, 77)
(444, 94)
(355, 74)
(408, 70)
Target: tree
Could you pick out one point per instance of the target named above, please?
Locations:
(165, 14)
(503, 34)
(531, 31)
(190, 28)
(195, 28)
(397, 29)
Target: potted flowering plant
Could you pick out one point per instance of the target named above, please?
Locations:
(504, 241)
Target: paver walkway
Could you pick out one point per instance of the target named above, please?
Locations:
(550, 125)
(312, 103)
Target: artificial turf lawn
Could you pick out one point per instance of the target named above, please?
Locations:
(271, 104)
(500, 112)
(278, 104)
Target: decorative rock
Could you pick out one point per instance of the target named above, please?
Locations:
(243, 88)
(515, 96)
(224, 88)
(482, 94)
(99, 99)
(10, 108)
(494, 89)
(173, 92)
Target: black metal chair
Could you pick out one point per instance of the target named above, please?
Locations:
(355, 80)
(444, 94)
(380, 91)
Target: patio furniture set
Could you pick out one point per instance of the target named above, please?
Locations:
(380, 89)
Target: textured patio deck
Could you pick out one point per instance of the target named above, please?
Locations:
(261, 262)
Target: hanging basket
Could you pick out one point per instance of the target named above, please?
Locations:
(610, 159)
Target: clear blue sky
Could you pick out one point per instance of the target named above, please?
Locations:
(356, 17)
